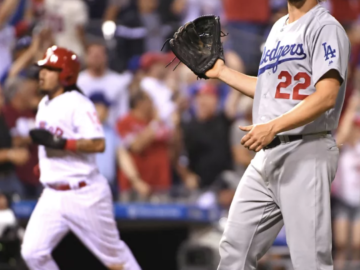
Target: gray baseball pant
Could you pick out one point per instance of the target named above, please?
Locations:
(288, 184)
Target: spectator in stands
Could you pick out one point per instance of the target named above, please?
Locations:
(191, 9)
(99, 78)
(134, 66)
(353, 32)
(246, 21)
(19, 114)
(346, 188)
(9, 157)
(23, 17)
(154, 84)
(21, 47)
(242, 156)
(7, 216)
(144, 15)
(28, 13)
(140, 27)
(7, 33)
(147, 140)
(106, 161)
(345, 11)
(96, 8)
(26, 51)
(114, 152)
(353, 79)
(206, 139)
(10, 234)
(67, 20)
(235, 62)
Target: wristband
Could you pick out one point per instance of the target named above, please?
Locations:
(70, 145)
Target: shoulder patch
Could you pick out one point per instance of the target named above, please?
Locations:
(328, 51)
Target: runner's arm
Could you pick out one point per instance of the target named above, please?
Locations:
(90, 145)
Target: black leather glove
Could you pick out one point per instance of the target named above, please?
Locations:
(198, 44)
(44, 137)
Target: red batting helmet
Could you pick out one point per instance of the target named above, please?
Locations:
(63, 60)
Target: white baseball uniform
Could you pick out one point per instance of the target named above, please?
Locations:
(86, 211)
(290, 183)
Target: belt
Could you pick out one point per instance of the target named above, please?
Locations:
(289, 138)
(65, 187)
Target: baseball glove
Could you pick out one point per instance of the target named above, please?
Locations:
(198, 44)
(44, 137)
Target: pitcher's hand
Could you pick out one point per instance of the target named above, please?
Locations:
(258, 137)
(214, 73)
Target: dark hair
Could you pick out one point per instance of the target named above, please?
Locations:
(136, 97)
(72, 88)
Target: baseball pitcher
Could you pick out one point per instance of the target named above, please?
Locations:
(76, 197)
(298, 95)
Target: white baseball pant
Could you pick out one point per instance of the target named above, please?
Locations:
(287, 184)
(88, 213)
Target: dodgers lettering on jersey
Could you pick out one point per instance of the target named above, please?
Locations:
(72, 116)
(295, 57)
(281, 54)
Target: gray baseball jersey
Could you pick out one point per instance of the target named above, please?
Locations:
(290, 184)
(295, 57)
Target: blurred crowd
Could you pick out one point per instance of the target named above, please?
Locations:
(169, 136)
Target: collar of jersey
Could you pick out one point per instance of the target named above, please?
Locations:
(293, 23)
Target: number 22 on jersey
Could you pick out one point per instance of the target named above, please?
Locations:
(304, 80)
